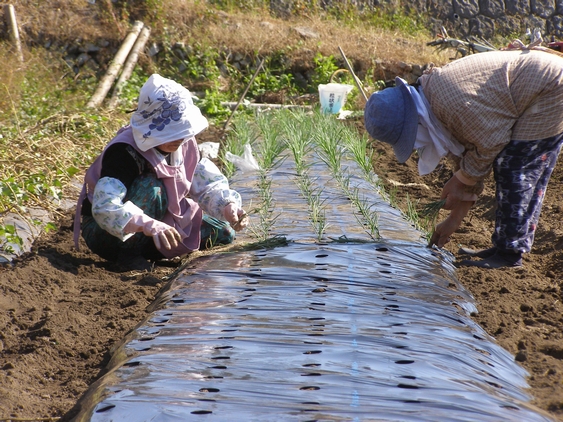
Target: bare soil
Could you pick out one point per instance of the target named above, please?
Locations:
(520, 307)
(62, 310)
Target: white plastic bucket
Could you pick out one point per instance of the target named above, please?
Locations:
(333, 97)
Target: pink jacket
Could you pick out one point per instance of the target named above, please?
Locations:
(183, 213)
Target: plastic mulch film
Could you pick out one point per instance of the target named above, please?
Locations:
(337, 325)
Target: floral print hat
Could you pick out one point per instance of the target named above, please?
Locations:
(165, 113)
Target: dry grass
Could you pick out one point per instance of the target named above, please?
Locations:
(39, 161)
(254, 32)
(45, 137)
(258, 34)
(60, 19)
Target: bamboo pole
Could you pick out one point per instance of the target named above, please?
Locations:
(107, 81)
(232, 104)
(10, 16)
(244, 94)
(129, 65)
(351, 70)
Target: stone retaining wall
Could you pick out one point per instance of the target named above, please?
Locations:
(483, 18)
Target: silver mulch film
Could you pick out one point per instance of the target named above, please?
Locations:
(346, 328)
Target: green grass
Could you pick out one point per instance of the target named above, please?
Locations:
(264, 219)
(298, 133)
(271, 146)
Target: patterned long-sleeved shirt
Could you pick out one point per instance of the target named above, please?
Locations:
(121, 165)
(488, 99)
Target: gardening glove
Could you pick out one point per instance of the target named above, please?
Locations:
(236, 216)
(454, 192)
(163, 235)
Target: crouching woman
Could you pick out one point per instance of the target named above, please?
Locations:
(145, 196)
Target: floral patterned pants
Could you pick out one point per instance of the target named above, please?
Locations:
(522, 171)
(149, 194)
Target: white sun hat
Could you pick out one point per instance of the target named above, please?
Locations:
(165, 113)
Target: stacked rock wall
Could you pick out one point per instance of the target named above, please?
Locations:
(483, 18)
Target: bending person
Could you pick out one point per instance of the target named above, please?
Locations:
(145, 196)
(498, 111)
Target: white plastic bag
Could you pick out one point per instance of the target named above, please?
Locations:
(245, 163)
(209, 150)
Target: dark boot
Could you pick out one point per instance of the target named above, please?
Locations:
(478, 253)
(498, 260)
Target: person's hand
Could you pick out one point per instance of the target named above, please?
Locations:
(444, 230)
(163, 235)
(236, 216)
(454, 193)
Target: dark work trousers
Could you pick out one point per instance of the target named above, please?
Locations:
(149, 194)
(522, 171)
